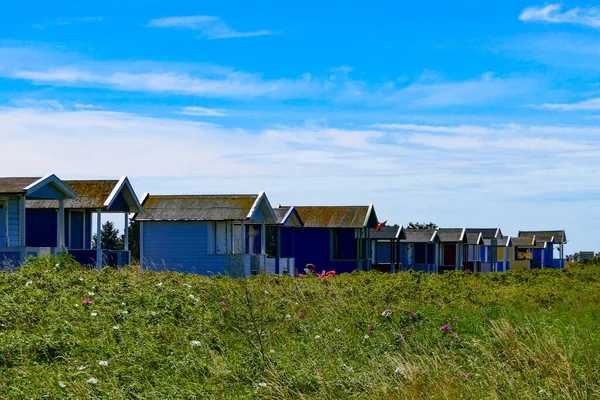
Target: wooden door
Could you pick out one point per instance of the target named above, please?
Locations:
(449, 254)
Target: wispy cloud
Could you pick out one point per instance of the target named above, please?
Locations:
(68, 21)
(587, 105)
(210, 27)
(552, 13)
(85, 106)
(203, 112)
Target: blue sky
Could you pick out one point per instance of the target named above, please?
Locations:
(462, 113)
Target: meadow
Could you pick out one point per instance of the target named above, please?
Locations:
(71, 332)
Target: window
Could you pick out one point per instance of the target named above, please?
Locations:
(344, 244)
(220, 240)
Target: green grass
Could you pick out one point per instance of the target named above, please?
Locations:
(526, 335)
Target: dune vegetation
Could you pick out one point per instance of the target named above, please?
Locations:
(69, 331)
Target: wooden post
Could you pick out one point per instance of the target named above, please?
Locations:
(126, 233)
(99, 238)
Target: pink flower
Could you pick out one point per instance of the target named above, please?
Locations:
(222, 303)
(370, 330)
(283, 293)
(302, 315)
(412, 313)
(445, 327)
(456, 317)
(454, 335)
(87, 301)
(407, 329)
(226, 309)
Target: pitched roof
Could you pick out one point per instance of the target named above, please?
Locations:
(523, 241)
(487, 233)
(224, 207)
(281, 212)
(475, 238)
(500, 241)
(559, 236)
(288, 216)
(92, 194)
(386, 232)
(421, 236)
(16, 185)
(337, 216)
(452, 234)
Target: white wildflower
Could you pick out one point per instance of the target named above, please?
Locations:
(123, 303)
(103, 363)
(62, 384)
(93, 381)
(125, 312)
(366, 336)
(116, 327)
(29, 282)
(94, 314)
(57, 265)
(337, 330)
(399, 370)
(262, 384)
(271, 351)
(192, 297)
(386, 313)
(81, 279)
(288, 316)
(195, 343)
(153, 313)
(266, 292)
(91, 293)
(159, 284)
(187, 285)
(317, 337)
(80, 368)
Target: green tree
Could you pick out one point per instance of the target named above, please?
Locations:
(134, 240)
(109, 237)
(418, 225)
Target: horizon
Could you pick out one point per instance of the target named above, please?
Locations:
(460, 114)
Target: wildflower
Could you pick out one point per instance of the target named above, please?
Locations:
(441, 301)
(116, 327)
(266, 292)
(370, 330)
(445, 327)
(80, 368)
(191, 296)
(195, 343)
(366, 336)
(222, 303)
(91, 293)
(62, 384)
(262, 384)
(454, 335)
(465, 375)
(87, 301)
(57, 265)
(93, 381)
(386, 313)
(302, 315)
(271, 351)
(81, 279)
(399, 370)
(407, 329)
(226, 309)
(317, 337)
(29, 282)
(94, 314)
(153, 313)
(159, 284)
(336, 330)
(288, 316)
(413, 314)
(283, 293)
(104, 363)
(456, 317)
(123, 303)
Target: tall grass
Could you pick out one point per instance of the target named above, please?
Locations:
(530, 334)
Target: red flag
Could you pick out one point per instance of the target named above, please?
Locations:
(379, 225)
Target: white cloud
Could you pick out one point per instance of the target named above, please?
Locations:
(203, 112)
(587, 105)
(210, 27)
(48, 104)
(552, 13)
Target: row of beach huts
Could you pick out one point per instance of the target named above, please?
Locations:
(245, 234)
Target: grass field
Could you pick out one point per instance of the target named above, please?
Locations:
(66, 331)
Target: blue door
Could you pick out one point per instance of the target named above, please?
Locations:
(3, 220)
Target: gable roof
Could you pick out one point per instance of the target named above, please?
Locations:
(475, 238)
(487, 233)
(338, 216)
(559, 236)
(217, 207)
(95, 194)
(288, 216)
(502, 241)
(452, 235)
(524, 241)
(47, 187)
(388, 232)
(421, 236)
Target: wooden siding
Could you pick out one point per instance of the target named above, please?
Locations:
(183, 247)
(13, 222)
